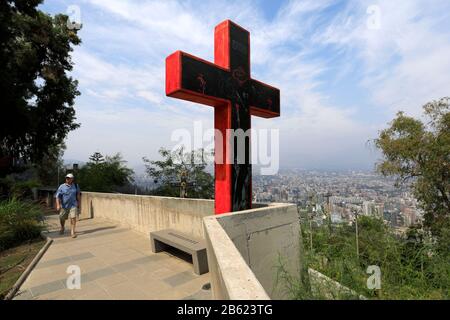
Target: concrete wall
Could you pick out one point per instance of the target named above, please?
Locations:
(231, 277)
(245, 249)
(148, 213)
(324, 287)
(46, 195)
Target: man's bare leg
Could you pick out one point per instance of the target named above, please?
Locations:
(73, 224)
(63, 222)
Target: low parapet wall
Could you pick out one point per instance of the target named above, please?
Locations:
(246, 248)
(324, 287)
(148, 213)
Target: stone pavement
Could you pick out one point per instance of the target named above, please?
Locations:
(115, 263)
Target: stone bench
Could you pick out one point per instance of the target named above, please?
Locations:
(186, 243)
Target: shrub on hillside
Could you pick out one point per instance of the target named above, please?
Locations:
(23, 189)
(11, 187)
(20, 221)
(412, 267)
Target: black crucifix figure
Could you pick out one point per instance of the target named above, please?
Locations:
(183, 184)
(226, 85)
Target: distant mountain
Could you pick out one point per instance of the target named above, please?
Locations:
(139, 169)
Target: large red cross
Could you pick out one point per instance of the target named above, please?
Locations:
(227, 86)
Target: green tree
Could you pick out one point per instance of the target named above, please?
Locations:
(419, 153)
(36, 91)
(97, 158)
(51, 167)
(177, 165)
(107, 176)
(412, 267)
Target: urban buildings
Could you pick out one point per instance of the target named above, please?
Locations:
(342, 194)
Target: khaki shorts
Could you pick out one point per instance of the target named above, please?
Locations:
(66, 213)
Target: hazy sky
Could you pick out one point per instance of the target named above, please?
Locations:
(344, 69)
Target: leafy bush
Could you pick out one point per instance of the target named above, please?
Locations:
(180, 166)
(19, 221)
(23, 189)
(105, 175)
(415, 266)
(11, 187)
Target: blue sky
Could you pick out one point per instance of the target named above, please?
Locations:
(344, 69)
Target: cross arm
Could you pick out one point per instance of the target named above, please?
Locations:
(194, 79)
(264, 100)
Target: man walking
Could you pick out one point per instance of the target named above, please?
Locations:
(68, 203)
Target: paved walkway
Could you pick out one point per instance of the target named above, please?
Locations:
(115, 263)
